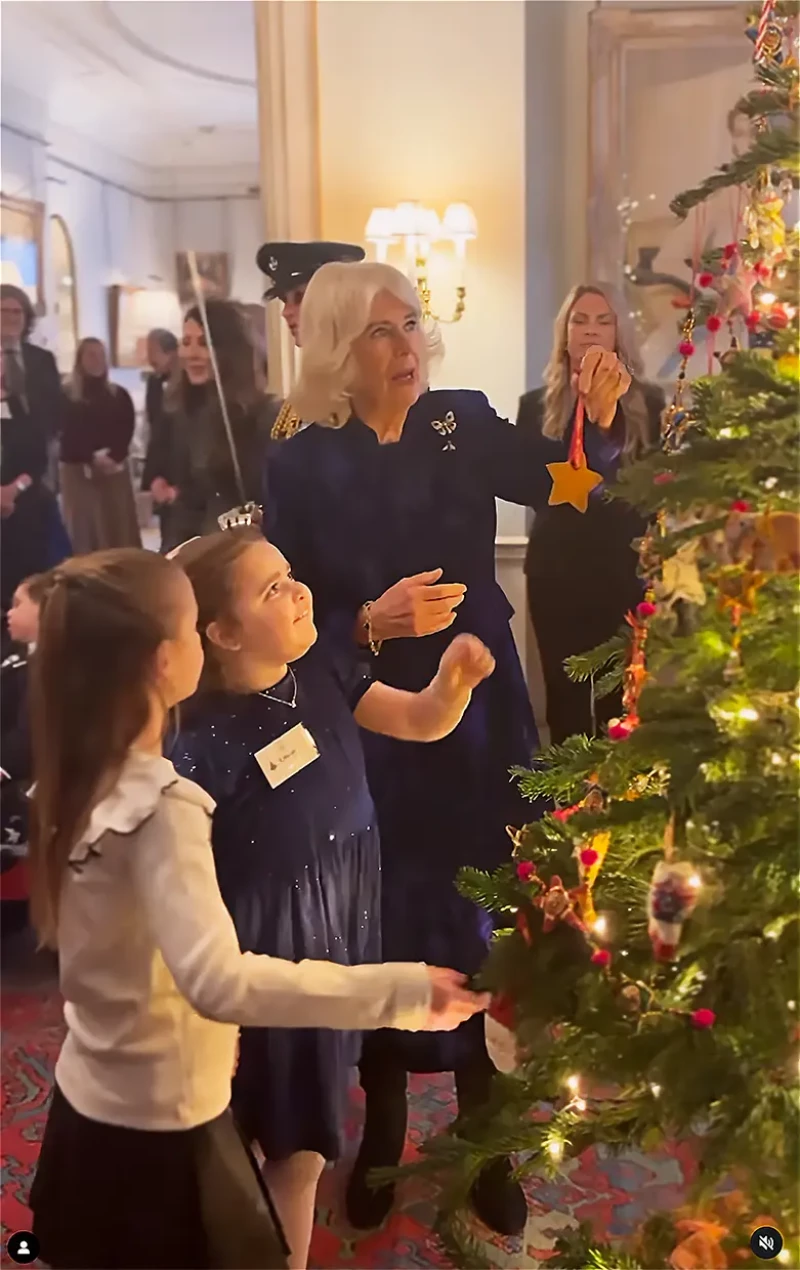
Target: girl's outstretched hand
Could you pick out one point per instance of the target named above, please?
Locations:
(452, 1003)
(465, 663)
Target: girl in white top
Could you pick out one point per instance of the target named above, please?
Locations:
(140, 1165)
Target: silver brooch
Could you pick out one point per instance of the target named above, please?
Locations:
(446, 427)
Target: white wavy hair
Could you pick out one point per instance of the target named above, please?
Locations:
(558, 396)
(336, 310)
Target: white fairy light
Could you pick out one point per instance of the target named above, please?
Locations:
(655, 1090)
(748, 714)
(767, 297)
(770, 482)
(784, 1256)
(695, 881)
(579, 1104)
(726, 433)
(777, 760)
(574, 1083)
(600, 926)
(555, 1148)
(791, 1005)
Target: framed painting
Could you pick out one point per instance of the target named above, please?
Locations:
(129, 321)
(662, 83)
(213, 268)
(21, 229)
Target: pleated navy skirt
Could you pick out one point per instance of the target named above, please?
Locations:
(111, 1198)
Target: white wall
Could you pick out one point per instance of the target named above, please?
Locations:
(120, 236)
(427, 101)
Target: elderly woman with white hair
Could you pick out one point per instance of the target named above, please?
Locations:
(582, 570)
(385, 507)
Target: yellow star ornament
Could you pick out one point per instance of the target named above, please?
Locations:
(572, 484)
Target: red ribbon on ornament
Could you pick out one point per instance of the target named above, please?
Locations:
(577, 456)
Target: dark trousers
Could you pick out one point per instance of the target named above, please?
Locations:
(570, 619)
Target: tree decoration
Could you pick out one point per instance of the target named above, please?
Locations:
(672, 898)
(574, 480)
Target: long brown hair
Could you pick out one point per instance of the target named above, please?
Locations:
(559, 398)
(102, 622)
(76, 386)
(210, 565)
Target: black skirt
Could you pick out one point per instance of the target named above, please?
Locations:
(110, 1198)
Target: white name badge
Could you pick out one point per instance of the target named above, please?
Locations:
(284, 758)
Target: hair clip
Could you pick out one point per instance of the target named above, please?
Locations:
(249, 514)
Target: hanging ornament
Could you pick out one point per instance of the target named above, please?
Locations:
(700, 1247)
(675, 418)
(671, 901)
(574, 480)
(635, 673)
(590, 856)
(558, 905)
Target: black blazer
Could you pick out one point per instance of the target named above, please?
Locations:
(43, 389)
(593, 549)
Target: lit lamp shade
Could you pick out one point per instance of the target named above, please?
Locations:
(412, 220)
(459, 223)
(380, 226)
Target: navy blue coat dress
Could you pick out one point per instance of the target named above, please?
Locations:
(353, 517)
(299, 870)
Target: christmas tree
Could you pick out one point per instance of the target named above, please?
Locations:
(647, 977)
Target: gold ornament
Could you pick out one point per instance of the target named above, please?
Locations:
(572, 484)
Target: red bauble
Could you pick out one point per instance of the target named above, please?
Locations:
(763, 270)
(619, 729)
(729, 251)
(752, 320)
(714, 323)
(601, 957)
(588, 857)
(705, 279)
(740, 505)
(526, 870)
(686, 348)
(778, 318)
(564, 813)
(645, 610)
(703, 1019)
(663, 478)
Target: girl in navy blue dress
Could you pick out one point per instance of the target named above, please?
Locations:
(273, 738)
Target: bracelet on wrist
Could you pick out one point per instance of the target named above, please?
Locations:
(373, 644)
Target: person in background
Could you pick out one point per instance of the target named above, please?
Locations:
(30, 372)
(32, 535)
(162, 355)
(96, 486)
(196, 477)
(581, 568)
(15, 747)
(289, 267)
(141, 1166)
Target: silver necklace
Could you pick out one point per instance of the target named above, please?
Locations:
(291, 704)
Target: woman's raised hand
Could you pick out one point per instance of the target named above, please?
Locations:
(452, 1003)
(416, 606)
(601, 381)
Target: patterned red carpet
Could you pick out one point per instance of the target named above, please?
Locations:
(613, 1192)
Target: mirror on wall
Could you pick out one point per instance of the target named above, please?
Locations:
(65, 307)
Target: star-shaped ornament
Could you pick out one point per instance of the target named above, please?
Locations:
(572, 484)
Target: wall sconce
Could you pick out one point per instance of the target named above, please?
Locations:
(418, 227)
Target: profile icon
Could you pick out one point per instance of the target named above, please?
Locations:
(23, 1247)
